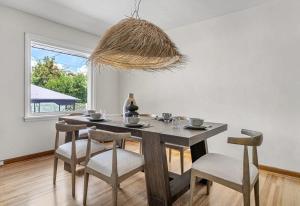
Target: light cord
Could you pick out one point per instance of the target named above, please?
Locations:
(135, 13)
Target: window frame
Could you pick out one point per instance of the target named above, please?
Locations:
(61, 46)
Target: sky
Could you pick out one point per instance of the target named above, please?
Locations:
(64, 61)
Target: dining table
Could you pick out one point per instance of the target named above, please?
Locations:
(163, 187)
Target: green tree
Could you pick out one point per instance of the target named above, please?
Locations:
(80, 86)
(46, 74)
(45, 70)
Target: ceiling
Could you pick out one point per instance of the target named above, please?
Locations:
(94, 16)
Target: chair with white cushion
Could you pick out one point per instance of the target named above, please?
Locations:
(236, 174)
(179, 148)
(83, 133)
(112, 166)
(73, 152)
(138, 139)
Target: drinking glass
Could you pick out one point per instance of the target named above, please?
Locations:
(104, 114)
(175, 122)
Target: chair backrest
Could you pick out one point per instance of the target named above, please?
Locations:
(62, 126)
(255, 139)
(100, 135)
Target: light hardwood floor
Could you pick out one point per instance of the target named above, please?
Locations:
(29, 183)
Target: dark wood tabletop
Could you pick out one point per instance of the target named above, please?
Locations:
(169, 134)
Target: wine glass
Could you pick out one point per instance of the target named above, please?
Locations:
(103, 113)
(175, 122)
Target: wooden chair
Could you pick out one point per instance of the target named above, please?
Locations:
(83, 133)
(236, 174)
(73, 152)
(180, 149)
(112, 166)
(134, 139)
(138, 139)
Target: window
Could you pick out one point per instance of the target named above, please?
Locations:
(58, 79)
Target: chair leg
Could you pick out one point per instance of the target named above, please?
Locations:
(246, 197)
(123, 144)
(170, 154)
(55, 170)
(73, 168)
(86, 184)
(256, 192)
(141, 148)
(192, 187)
(115, 195)
(208, 187)
(182, 160)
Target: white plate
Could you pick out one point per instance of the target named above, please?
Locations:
(138, 125)
(202, 127)
(96, 120)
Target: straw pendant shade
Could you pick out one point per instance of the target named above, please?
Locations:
(134, 43)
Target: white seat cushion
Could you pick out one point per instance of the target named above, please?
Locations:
(81, 146)
(224, 167)
(126, 161)
(84, 133)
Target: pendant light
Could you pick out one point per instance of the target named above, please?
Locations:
(134, 43)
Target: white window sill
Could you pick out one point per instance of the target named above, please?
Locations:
(49, 116)
(45, 117)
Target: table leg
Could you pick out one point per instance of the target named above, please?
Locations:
(156, 171)
(197, 151)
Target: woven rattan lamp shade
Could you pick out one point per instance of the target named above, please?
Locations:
(136, 44)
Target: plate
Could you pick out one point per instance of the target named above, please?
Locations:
(96, 120)
(202, 127)
(138, 125)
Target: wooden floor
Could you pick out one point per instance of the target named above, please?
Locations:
(30, 183)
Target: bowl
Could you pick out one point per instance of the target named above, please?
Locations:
(133, 120)
(91, 111)
(96, 115)
(196, 122)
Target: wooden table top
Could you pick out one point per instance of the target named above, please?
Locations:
(169, 134)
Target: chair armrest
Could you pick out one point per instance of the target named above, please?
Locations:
(251, 133)
(248, 141)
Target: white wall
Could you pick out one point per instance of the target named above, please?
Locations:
(108, 91)
(243, 70)
(17, 137)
